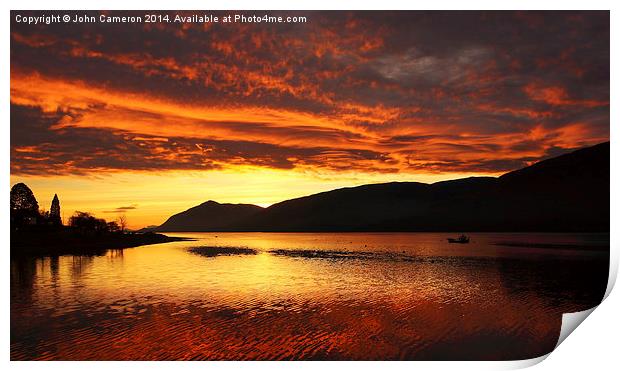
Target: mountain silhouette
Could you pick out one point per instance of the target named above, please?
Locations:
(208, 216)
(568, 193)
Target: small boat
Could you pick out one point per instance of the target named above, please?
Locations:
(462, 239)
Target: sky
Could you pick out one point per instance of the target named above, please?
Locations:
(149, 119)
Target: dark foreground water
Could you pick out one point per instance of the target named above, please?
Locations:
(347, 296)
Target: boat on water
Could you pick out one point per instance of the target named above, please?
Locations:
(461, 239)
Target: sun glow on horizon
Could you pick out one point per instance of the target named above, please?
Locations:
(149, 199)
(171, 116)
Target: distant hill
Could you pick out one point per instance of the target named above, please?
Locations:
(565, 193)
(209, 216)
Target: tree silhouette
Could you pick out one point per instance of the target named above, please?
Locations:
(24, 206)
(122, 222)
(22, 199)
(113, 227)
(54, 216)
(84, 222)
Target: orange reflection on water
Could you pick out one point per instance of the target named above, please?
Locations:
(381, 297)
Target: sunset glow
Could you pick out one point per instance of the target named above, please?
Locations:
(147, 120)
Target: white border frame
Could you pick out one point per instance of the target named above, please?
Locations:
(594, 345)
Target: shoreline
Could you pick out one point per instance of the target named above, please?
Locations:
(53, 244)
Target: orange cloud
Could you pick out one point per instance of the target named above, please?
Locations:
(373, 92)
(557, 96)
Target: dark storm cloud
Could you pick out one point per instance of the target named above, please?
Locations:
(374, 91)
(81, 150)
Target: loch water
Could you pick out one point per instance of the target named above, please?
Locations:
(308, 296)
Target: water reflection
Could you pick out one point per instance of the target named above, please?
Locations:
(400, 296)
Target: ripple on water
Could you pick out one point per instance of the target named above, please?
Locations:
(301, 298)
(213, 251)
